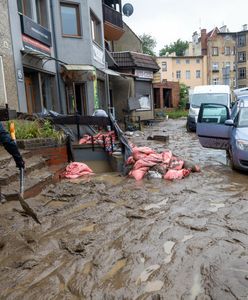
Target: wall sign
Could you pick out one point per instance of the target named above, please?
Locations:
(33, 45)
(98, 54)
(35, 31)
(144, 74)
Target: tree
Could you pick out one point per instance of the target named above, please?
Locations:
(179, 47)
(184, 96)
(148, 44)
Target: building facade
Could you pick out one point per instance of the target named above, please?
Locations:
(221, 56)
(242, 57)
(8, 88)
(59, 55)
(189, 70)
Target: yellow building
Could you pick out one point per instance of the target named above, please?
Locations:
(242, 57)
(221, 49)
(189, 70)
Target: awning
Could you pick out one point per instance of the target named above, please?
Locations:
(79, 68)
(111, 72)
(41, 56)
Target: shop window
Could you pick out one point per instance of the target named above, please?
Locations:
(145, 102)
(70, 19)
(215, 51)
(96, 29)
(242, 73)
(41, 12)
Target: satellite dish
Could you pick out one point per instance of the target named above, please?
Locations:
(127, 9)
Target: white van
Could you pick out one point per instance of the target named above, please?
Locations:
(218, 94)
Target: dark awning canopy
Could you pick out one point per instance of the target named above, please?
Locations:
(42, 56)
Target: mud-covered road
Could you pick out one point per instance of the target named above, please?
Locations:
(110, 237)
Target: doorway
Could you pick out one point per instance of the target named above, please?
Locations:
(80, 96)
(167, 96)
(30, 95)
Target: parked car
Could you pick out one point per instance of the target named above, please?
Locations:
(220, 94)
(219, 129)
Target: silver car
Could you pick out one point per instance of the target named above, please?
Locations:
(219, 129)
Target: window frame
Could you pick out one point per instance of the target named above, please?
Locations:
(76, 5)
(198, 74)
(243, 53)
(41, 16)
(178, 72)
(164, 66)
(215, 53)
(244, 73)
(187, 74)
(227, 51)
(94, 18)
(241, 40)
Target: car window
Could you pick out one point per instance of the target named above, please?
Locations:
(198, 99)
(243, 117)
(214, 114)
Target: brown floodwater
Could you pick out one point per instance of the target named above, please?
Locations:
(109, 237)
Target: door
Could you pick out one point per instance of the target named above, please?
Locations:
(80, 96)
(211, 129)
(29, 94)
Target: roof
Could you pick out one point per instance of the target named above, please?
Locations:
(128, 59)
(201, 89)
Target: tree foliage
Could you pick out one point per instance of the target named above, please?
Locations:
(184, 95)
(179, 47)
(148, 44)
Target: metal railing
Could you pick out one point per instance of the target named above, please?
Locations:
(112, 16)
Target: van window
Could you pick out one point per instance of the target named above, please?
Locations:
(198, 99)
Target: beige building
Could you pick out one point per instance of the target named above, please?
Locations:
(242, 56)
(189, 70)
(221, 49)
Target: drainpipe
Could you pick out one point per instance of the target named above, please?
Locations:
(56, 55)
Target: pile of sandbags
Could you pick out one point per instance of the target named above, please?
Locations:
(146, 161)
(76, 169)
(104, 139)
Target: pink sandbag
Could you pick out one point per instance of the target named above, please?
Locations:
(139, 174)
(176, 174)
(176, 163)
(76, 169)
(167, 155)
(143, 163)
(130, 161)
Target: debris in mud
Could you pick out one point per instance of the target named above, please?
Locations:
(159, 138)
(154, 286)
(169, 166)
(144, 276)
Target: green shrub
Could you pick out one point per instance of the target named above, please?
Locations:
(177, 113)
(35, 129)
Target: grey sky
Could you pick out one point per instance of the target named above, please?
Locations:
(168, 20)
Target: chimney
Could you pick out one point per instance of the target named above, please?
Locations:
(204, 37)
(244, 27)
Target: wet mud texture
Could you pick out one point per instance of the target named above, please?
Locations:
(109, 237)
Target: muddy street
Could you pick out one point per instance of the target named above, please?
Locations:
(110, 237)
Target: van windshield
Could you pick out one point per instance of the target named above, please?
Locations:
(198, 99)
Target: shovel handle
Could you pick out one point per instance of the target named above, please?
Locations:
(22, 182)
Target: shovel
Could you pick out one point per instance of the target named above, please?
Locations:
(28, 210)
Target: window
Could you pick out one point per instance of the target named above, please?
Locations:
(197, 60)
(96, 29)
(177, 61)
(241, 40)
(70, 19)
(215, 66)
(242, 56)
(227, 51)
(178, 74)
(228, 64)
(215, 81)
(187, 74)
(198, 74)
(41, 12)
(25, 7)
(242, 73)
(215, 51)
(187, 61)
(164, 66)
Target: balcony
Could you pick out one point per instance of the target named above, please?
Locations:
(113, 24)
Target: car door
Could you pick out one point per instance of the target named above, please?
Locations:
(211, 129)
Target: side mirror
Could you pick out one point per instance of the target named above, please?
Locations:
(229, 122)
(187, 105)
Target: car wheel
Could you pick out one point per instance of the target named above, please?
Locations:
(188, 127)
(230, 159)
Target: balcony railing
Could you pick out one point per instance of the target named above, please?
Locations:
(112, 16)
